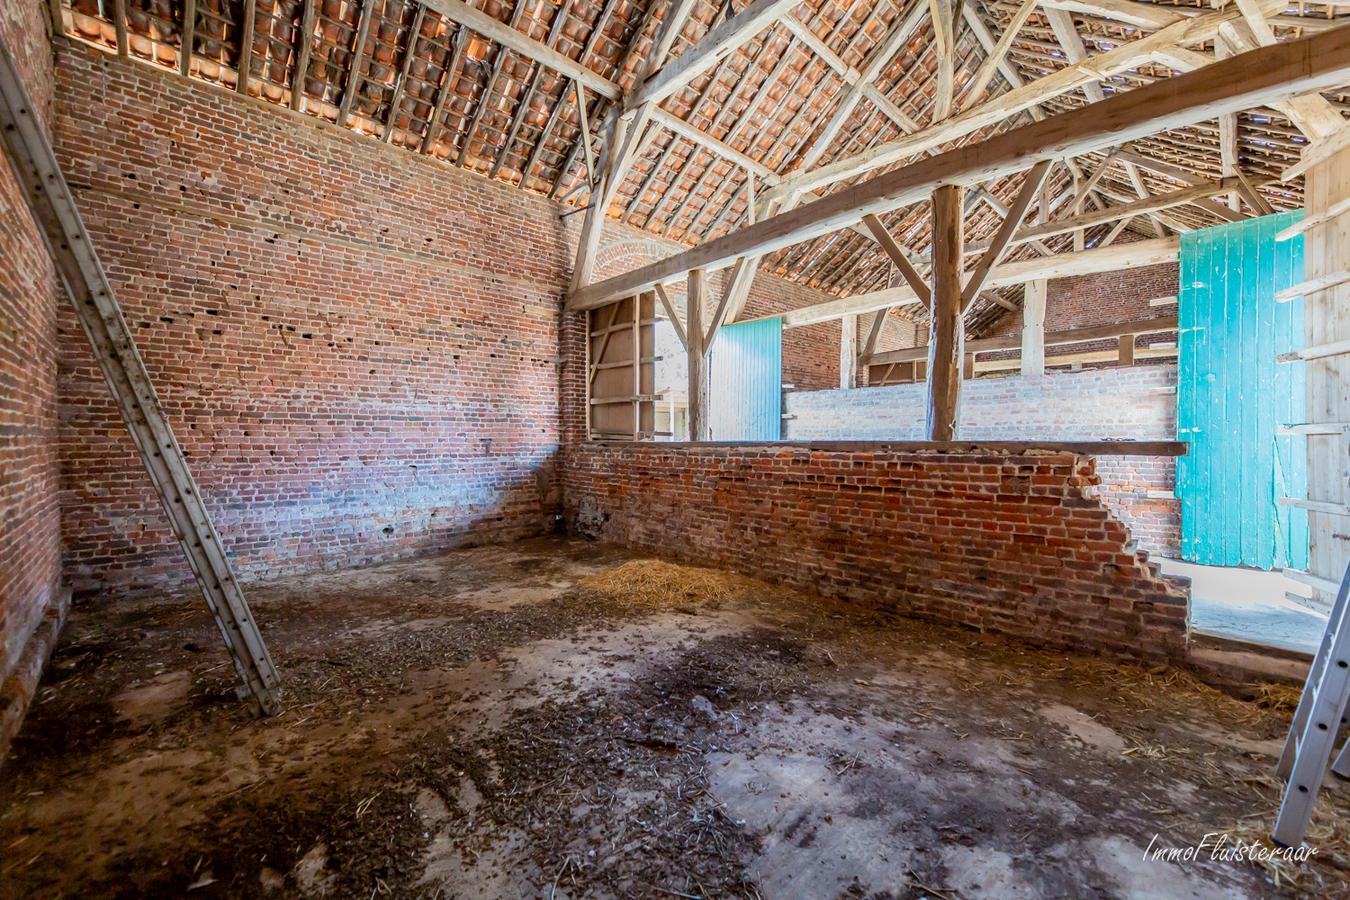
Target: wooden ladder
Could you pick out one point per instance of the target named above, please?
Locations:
(77, 265)
(1312, 736)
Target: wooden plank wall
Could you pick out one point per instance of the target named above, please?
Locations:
(620, 363)
(896, 373)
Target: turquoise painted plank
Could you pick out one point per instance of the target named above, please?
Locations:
(1192, 309)
(1283, 483)
(745, 382)
(1186, 350)
(1229, 388)
(1261, 425)
(1236, 451)
(1210, 412)
(1200, 428)
(1219, 471)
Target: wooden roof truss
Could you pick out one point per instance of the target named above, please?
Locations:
(693, 118)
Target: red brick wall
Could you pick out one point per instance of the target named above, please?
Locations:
(1136, 403)
(1010, 544)
(30, 526)
(371, 372)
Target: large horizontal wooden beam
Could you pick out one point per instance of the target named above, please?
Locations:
(1064, 265)
(1052, 339)
(708, 52)
(1001, 448)
(1263, 76)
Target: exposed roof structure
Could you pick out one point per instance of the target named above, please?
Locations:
(768, 100)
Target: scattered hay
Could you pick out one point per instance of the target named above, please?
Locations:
(654, 583)
(1277, 697)
(1325, 875)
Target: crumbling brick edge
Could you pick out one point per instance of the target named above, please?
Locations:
(21, 685)
(1013, 544)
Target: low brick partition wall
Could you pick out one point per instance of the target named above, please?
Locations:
(1015, 544)
(1135, 403)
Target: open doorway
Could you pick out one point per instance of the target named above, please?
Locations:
(1239, 603)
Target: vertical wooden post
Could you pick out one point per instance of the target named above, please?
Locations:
(590, 318)
(848, 351)
(304, 46)
(636, 337)
(698, 362)
(1326, 316)
(1033, 329)
(1228, 141)
(246, 49)
(120, 26)
(946, 341)
(189, 32)
(968, 367)
(1126, 357)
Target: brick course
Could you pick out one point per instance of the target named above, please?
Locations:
(1012, 544)
(30, 527)
(1136, 404)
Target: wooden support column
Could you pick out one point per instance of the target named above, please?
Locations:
(698, 362)
(1326, 314)
(354, 75)
(120, 25)
(1033, 328)
(189, 29)
(946, 340)
(1125, 356)
(246, 47)
(848, 351)
(1228, 140)
(304, 47)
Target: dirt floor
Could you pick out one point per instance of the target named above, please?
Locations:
(500, 722)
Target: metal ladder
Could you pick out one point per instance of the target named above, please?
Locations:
(36, 169)
(1320, 714)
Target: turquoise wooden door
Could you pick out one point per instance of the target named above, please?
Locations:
(1231, 396)
(746, 382)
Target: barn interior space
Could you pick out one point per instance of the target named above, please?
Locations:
(674, 448)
